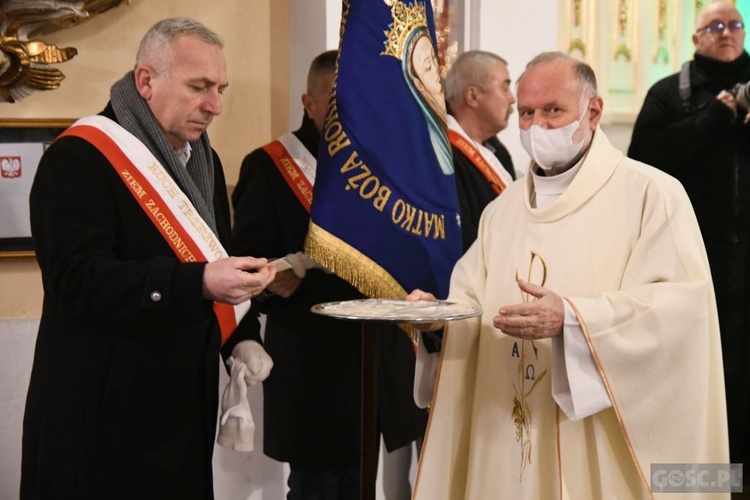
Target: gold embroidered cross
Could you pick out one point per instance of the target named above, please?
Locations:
(521, 412)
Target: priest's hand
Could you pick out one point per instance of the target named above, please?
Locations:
(537, 319)
(417, 295)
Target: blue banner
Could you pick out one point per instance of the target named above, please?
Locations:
(385, 212)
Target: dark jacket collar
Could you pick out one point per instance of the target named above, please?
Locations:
(719, 75)
(308, 134)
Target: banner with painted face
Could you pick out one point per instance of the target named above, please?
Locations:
(385, 213)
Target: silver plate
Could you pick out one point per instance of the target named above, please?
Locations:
(421, 311)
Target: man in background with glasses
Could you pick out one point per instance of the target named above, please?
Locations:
(694, 126)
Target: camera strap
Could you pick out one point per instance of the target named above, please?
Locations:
(685, 86)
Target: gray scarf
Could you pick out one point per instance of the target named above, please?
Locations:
(197, 178)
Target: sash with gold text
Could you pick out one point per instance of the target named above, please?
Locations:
(296, 164)
(168, 208)
(476, 158)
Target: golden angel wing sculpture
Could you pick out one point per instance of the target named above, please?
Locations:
(24, 60)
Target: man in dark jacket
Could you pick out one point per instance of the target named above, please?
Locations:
(480, 100)
(692, 127)
(126, 208)
(312, 397)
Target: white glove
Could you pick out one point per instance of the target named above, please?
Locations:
(257, 360)
(301, 262)
(236, 425)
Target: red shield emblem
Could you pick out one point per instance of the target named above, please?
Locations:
(10, 167)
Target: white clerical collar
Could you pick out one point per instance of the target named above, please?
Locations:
(184, 153)
(548, 189)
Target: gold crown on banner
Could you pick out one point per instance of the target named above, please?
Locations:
(406, 18)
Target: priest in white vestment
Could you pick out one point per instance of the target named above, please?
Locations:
(598, 352)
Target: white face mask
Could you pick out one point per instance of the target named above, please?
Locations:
(554, 147)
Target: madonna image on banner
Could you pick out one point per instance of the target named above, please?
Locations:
(422, 73)
(385, 212)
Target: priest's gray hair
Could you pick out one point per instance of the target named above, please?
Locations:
(155, 49)
(584, 72)
(473, 67)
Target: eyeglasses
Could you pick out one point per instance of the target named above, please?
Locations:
(718, 27)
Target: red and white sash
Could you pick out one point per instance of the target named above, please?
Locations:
(296, 164)
(168, 208)
(484, 161)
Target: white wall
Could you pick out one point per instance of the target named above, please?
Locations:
(517, 31)
(314, 28)
(17, 338)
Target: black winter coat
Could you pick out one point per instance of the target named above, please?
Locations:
(123, 396)
(474, 192)
(703, 147)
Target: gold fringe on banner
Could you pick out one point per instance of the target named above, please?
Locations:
(356, 268)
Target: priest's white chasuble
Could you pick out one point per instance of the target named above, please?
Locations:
(623, 247)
